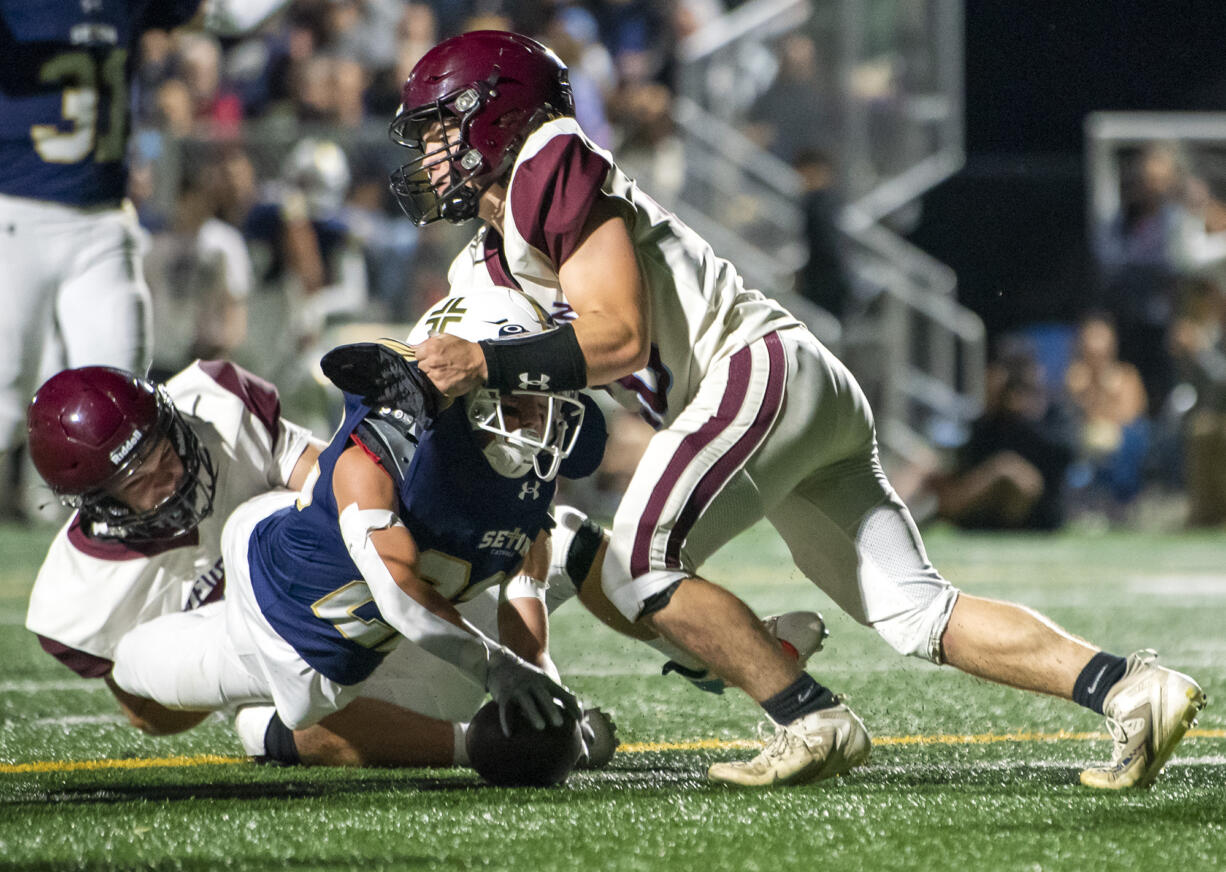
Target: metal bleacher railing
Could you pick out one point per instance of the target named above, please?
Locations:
(896, 71)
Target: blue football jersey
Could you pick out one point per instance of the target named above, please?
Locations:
(65, 71)
(472, 528)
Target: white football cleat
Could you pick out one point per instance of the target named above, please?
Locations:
(1148, 711)
(800, 634)
(819, 745)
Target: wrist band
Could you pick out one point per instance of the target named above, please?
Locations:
(551, 361)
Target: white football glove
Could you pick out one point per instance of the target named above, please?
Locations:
(511, 679)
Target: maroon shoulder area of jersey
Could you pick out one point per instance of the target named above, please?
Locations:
(553, 194)
(259, 396)
(83, 664)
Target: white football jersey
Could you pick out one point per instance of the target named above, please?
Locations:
(90, 592)
(700, 308)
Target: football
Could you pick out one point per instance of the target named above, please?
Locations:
(528, 757)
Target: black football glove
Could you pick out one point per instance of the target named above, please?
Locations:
(384, 373)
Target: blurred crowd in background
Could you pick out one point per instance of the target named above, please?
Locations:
(260, 175)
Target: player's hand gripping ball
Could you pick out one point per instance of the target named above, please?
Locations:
(528, 757)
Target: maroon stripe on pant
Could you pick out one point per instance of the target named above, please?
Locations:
(740, 368)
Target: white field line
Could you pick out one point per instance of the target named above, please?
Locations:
(52, 686)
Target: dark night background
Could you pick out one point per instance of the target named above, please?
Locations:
(1012, 223)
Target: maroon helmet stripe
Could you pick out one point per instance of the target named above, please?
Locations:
(740, 366)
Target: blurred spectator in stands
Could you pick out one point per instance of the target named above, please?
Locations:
(1161, 233)
(640, 38)
(797, 110)
(1198, 342)
(389, 241)
(302, 245)
(1010, 471)
(215, 108)
(416, 32)
(823, 279)
(237, 190)
(569, 33)
(200, 277)
(1108, 398)
(649, 143)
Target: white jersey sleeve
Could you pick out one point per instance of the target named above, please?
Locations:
(700, 309)
(90, 592)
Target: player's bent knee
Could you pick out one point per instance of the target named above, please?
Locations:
(917, 632)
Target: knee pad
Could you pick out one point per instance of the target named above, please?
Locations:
(917, 631)
(576, 541)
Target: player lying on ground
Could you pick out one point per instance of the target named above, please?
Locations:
(756, 419)
(153, 473)
(406, 523)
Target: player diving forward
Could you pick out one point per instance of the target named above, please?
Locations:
(406, 521)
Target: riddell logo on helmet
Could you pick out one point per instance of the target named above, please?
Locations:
(120, 454)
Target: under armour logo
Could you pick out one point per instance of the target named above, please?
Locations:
(540, 383)
(530, 488)
(450, 312)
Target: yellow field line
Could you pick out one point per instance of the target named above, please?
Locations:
(627, 748)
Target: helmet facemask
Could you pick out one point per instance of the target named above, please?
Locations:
(512, 453)
(178, 514)
(448, 118)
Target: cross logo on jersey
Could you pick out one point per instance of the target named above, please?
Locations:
(530, 488)
(450, 313)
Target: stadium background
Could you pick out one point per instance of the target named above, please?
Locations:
(958, 175)
(933, 164)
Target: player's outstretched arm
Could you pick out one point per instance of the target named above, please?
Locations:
(384, 552)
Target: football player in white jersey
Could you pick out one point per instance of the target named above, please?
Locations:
(755, 419)
(154, 472)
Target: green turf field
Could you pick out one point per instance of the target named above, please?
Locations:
(964, 776)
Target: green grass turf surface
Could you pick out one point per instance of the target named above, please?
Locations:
(942, 790)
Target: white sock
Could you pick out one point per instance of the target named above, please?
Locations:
(459, 754)
(251, 723)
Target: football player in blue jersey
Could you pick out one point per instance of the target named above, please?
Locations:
(408, 521)
(72, 283)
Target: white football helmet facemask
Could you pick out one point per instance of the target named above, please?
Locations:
(531, 430)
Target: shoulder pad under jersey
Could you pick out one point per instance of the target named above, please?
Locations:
(392, 437)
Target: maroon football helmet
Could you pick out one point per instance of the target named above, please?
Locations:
(91, 427)
(489, 89)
